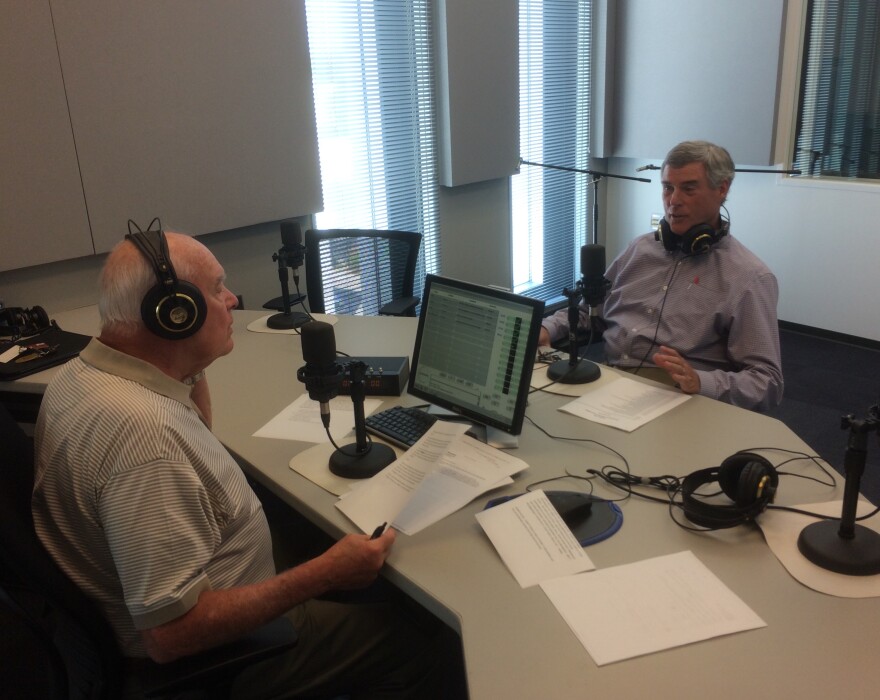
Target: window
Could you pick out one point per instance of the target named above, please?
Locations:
(551, 208)
(373, 82)
(838, 125)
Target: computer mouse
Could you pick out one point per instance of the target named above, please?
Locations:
(573, 507)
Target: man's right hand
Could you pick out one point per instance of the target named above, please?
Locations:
(543, 337)
(355, 560)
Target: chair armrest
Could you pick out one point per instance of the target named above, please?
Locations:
(217, 667)
(405, 306)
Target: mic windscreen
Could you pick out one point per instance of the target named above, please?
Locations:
(318, 344)
(592, 261)
(291, 233)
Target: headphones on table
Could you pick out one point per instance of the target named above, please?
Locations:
(697, 239)
(173, 308)
(748, 479)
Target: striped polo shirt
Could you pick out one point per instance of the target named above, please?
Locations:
(135, 498)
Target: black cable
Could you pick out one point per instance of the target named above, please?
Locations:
(531, 486)
(675, 266)
(579, 439)
(625, 481)
(355, 453)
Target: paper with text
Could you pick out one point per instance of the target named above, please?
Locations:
(625, 403)
(459, 467)
(532, 539)
(626, 611)
(301, 420)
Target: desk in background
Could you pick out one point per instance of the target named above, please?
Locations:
(516, 645)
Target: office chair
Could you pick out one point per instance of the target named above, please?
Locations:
(56, 643)
(368, 272)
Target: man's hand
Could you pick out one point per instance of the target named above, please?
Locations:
(543, 337)
(678, 368)
(355, 560)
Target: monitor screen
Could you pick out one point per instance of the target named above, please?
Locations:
(475, 350)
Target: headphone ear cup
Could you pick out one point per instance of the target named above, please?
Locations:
(665, 235)
(174, 315)
(748, 479)
(698, 239)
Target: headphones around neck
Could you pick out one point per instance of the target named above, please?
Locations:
(748, 479)
(697, 239)
(173, 309)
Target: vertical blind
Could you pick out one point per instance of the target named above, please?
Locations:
(373, 83)
(838, 126)
(550, 208)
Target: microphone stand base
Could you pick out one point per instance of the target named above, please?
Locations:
(564, 372)
(822, 544)
(364, 465)
(277, 304)
(283, 321)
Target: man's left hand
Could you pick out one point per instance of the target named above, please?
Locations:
(678, 368)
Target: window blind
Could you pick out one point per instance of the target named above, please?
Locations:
(838, 125)
(551, 208)
(373, 83)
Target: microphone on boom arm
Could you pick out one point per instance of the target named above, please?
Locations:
(592, 287)
(322, 375)
(290, 255)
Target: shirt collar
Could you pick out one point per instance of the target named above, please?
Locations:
(106, 359)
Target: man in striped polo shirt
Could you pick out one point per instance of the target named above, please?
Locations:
(147, 512)
(690, 305)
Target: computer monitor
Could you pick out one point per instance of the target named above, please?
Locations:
(474, 352)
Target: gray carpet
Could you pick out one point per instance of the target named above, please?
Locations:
(826, 380)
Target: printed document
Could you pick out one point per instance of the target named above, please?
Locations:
(625, 403)
(532, 539)
(301, 420)
(626, 611)
(442, 472)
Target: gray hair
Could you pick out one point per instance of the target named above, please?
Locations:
(126, 278)
(717, 161)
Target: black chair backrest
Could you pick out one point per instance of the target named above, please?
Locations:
(358, 271)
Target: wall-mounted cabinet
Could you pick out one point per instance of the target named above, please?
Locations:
(199, 112)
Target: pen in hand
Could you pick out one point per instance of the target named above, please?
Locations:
(378, 531)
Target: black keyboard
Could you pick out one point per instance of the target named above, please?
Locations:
(400, 425)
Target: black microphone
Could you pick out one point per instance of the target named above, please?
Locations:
(592, 288)
(291, 255)
(593, 272)
(321, 374)
(291, 240)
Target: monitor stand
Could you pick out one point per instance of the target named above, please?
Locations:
(484, 433)
(494, 437)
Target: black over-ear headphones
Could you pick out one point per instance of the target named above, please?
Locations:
(173, 309)
(697, 239)
(748, 479)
